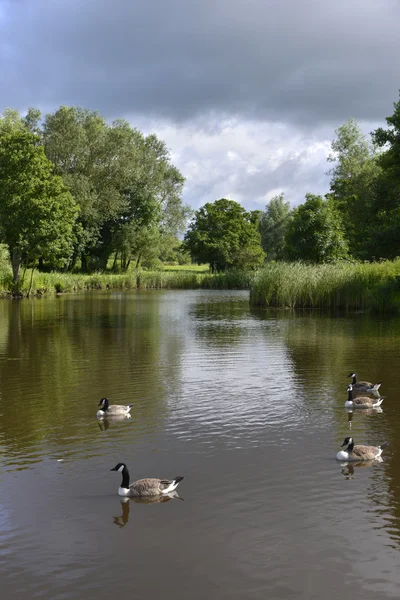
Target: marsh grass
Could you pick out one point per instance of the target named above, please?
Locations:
(357, 286)
(56, 282)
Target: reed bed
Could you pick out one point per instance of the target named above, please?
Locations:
(356, 286)
(56, 282)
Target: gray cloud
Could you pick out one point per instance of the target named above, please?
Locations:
(307, 62)
(246, 93)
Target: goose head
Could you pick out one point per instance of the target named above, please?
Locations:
(120, 467)
(103, 403)
(351, 375)
(347, 442)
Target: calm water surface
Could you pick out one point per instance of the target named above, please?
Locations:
(247, 405)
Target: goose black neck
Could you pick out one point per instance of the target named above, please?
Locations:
(354, 380)
(350, 396)
(125, 478)
(350, 447)
(105, 404)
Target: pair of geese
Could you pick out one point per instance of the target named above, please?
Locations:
(142, 488)
(164, 487)
(359, 452)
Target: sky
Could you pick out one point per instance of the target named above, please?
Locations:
(247, 94)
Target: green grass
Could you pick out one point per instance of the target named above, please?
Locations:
(184, 277)
(357, 286)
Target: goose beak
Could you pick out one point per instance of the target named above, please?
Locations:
(114, 469)
(344, 444)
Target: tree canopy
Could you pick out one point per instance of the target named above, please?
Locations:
(273, 227)
(315, 232)
(37, 212)
(225, 235)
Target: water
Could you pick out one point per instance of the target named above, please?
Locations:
(247, 405)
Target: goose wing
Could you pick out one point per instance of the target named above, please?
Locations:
(150, 486)
(365, 452)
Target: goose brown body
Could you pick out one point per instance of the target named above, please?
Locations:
(143, 488)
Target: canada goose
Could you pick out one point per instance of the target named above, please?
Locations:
(357, 453)
(144, 487)
(364, 386)
(361, 401)
(113, 410)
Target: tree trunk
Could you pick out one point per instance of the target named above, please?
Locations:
(16, 265)
(84, 263)
(138, 260)
(115, 261)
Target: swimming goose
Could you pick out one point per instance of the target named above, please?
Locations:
(364, 386)
(113, 410)
(361, 401)
(144, 487)
(356, 453)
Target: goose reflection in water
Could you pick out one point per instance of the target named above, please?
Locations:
(122, 520)
(347, 468)
(105, 423)
(365, 411)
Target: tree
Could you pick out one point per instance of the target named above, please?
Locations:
(273, 225)
(354, 184)
(37, 213)
(315, 232)
(224, 235)
(118, 177)
(385, 229)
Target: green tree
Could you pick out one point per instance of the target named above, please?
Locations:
(354, 184)
(225, 235)
(385, 229)
(315, 232)
(273, 226)
(37, 213)
(122, 180)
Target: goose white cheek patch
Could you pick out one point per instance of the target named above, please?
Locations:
(121, 469)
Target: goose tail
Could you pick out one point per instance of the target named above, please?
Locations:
(377, 386)
(379, 402)
(173, 486)
(384, 445)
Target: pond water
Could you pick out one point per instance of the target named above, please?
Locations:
(247, 405)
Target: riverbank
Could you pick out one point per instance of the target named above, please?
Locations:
(350, 286)
(51, 283)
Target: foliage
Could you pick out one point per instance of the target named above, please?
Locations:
(123, 182)
(341, 285)
(354, 185)
(315, 233)
(273, 226)
(386, 214)
(224, 235)
(37, 213)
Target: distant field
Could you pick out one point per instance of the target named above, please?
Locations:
(187, 268)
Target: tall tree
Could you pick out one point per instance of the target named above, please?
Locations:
(225, 235)
(119, 178)
(273, 226)
(354, 184)
(385, 242)
(315, 232)
(37, 213)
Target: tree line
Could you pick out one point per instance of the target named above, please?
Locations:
(358, 219)
(75, 189)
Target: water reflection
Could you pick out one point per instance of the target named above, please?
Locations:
(105, 422)
(347, 468)
(121, 520)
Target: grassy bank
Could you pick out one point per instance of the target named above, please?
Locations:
(360, 286)
(55, 282)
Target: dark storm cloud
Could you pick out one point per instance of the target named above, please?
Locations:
(295, 61)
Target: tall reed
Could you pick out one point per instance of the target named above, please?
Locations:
(331, 286)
